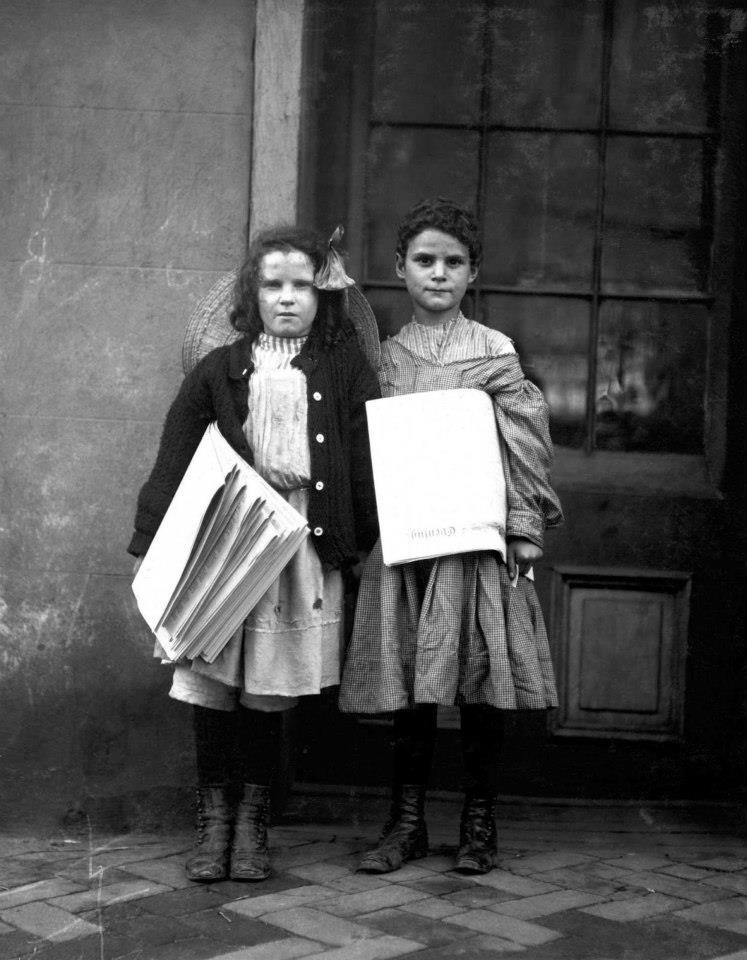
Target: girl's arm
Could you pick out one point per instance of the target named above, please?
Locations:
(523, 421)
(185, 423)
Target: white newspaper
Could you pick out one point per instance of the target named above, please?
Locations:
(224, 539)
(438, 471)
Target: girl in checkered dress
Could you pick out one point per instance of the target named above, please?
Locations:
(464, 629)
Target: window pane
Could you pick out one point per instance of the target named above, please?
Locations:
(661, 72)
(392, 309)
(651, 377)
(546, 63)
(540, 209)
(654, 234)
(404, 166)
(551, 335)
(428, 61)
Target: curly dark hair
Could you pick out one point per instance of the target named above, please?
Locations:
(331, 323)
(440, 213)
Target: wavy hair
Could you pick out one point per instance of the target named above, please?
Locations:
(445, 215)
(331, 323)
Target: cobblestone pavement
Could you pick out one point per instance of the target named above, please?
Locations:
(574, 883)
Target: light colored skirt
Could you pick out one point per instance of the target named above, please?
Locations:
(470, 637)
(289, 645)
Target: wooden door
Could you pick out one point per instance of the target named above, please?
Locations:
(598, 142)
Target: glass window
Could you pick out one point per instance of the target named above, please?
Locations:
(654, 234)
(546, 63)
(651, 377)
(551, 336)
(403, 167)
(540, 207)
(661, 71)
(428, 61)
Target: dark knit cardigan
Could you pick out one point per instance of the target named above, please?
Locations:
(342, 509)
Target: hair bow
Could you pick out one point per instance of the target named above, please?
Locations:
(331, 275)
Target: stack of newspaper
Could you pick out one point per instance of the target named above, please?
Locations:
(438, 468)
(224, 539)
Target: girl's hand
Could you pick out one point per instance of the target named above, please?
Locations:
(136, 565)
(521, 555)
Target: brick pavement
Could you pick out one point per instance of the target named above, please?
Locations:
(574, 883)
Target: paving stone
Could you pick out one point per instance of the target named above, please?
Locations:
(380, 948)
(319, 872)
(399, 923)
(441, 884)
(539, 862)
(676, 887)
(518, 886)
(726, 864)
(637, 908)
(284, 900)
(507, 928)
(115, 893)
(17, 944)
(357, 882)
(664, 937)
(199, 948)
(434, 908)
(547, 903)
(84, 876)
(407, 874)
(240, 890)
(169, 871)
(635, 862)
(178, 903)
(151, 930)
(104, 856)
(230, 927)
(309, 853)
(477, 897)
(437, 863)
(479, 947)
(574, 879)
(735, 882)
(316, 925)
(685, 871)
(48, 921)
(739, 955)
(724, 914)
(287, 949)
(354, 903)
(40, 890)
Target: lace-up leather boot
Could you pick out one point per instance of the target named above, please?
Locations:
(209, 859)
(478, 837)
(250, 857)
(405, 835)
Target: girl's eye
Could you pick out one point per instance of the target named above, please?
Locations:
(269, 284)
(423, 259)
(455, 261)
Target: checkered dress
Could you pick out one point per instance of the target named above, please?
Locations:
(454, 630)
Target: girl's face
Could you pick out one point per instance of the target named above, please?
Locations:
(286, 294)
(436, 271)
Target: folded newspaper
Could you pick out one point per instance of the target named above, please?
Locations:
(439, 474)
(224, 539)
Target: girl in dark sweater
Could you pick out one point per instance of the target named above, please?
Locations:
(289, 396)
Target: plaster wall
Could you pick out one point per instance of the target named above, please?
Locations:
(125, 154)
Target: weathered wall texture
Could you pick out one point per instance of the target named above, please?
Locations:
(124, 145)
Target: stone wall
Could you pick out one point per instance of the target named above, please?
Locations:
(125, 146)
